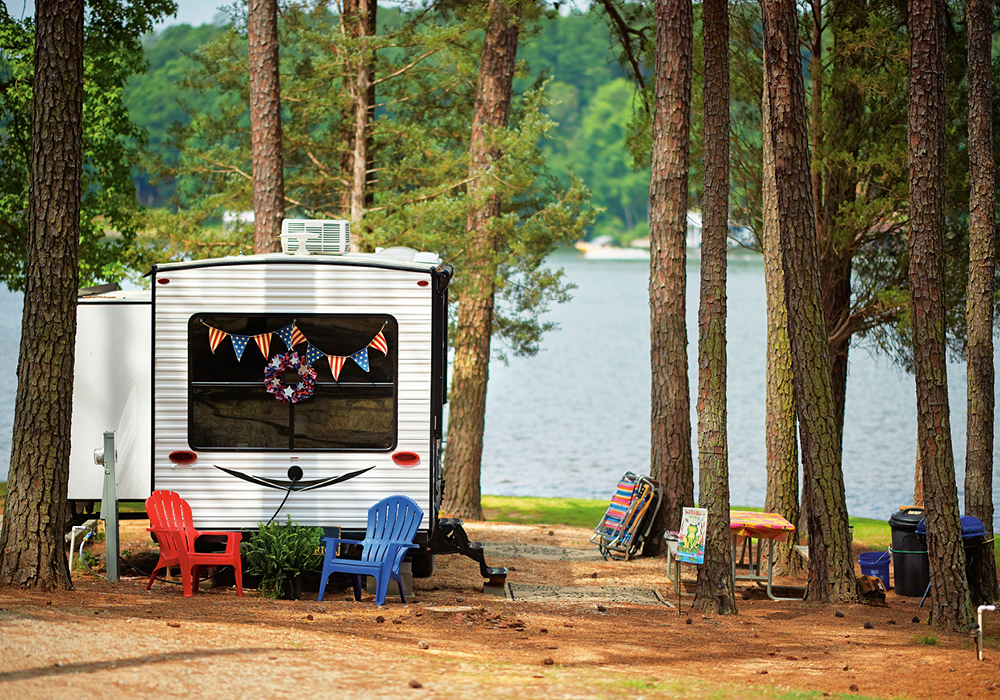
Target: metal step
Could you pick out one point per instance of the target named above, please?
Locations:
(450, 538)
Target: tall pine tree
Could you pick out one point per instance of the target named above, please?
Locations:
(31, 537)
(950, 605)
(670, 420)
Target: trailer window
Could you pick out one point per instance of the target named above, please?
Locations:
(229, 404)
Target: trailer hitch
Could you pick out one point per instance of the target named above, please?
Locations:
(450, 537)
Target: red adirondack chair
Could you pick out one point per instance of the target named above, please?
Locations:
(171, 522)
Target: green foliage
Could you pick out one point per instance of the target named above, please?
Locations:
(862, 162)
(590, 104)
(426, 64)
(180, 86)
(279, 552)
(619, 187)
(928, 639)
(154, 105)
(112, 143)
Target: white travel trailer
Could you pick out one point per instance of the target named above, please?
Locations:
(302, 383)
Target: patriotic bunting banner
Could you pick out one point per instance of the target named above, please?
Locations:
(336, 364)
(361, 358)
(239, 344)
(379, 344)
(264, 343)
(291, 336)
(215, 337)
(313, 354)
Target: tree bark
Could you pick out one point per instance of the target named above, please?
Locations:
(362, 95)
(979, 298)
(715, 590)
(837, 237)
(781, 441)
(31, 540)
(831, 568)
(470, 368)
(816, 109)
(358, 21)
(950, 606)
(670, 420)
(265, 126)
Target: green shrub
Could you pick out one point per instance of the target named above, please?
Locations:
(281, 552)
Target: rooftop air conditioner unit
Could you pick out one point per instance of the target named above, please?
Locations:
(308, 237)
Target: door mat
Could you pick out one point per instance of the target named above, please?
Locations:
(536, 551)
(585, 594)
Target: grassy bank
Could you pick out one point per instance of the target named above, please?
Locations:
(584, 512)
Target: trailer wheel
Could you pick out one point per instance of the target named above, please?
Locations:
(422, 565)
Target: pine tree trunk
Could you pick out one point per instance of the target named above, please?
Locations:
(670, 420)
(979, 299)
(358, 20)
(839, 184)
(837, 305)
(831, 568)
(950, 606)
(470, 368)
(31, 541)
(265, 126)
(782, 496)
(361, 92)
(816, 109)
(715, 591)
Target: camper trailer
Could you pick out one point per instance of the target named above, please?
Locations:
(308, 383)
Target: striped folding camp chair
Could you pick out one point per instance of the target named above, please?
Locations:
(629, 517)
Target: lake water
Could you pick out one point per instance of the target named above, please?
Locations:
(573, 419)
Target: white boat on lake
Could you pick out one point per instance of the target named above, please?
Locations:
(601, 248)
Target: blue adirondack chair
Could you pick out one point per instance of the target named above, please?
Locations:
(392, 523)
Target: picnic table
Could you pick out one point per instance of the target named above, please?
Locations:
(745, 527)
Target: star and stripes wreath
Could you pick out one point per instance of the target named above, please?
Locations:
(274, 378)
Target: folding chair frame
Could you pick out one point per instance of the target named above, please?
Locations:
(619, 535)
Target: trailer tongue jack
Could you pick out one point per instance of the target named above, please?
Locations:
(450, 538)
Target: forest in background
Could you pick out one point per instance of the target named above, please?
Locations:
(592, 99)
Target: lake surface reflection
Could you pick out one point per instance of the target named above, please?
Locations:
(572, 420)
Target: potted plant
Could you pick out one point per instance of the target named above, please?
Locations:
(280, 554)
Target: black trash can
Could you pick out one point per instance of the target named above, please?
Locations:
(973, 536)
(910, 567)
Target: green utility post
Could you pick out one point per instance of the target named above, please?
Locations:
(109, 504)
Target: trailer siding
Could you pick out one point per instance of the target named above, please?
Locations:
(221, 501)
(111, 391)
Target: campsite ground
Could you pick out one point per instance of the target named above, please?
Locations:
(453, 641)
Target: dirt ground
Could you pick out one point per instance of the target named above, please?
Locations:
(453, 641)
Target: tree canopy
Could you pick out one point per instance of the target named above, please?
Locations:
(112, 141)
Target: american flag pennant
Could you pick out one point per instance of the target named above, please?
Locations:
(313, 354)
(291, 336)
(379, 344)
(240, 344)
(336, 364)
(215, 337)
(361, 357)
(264, 343)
